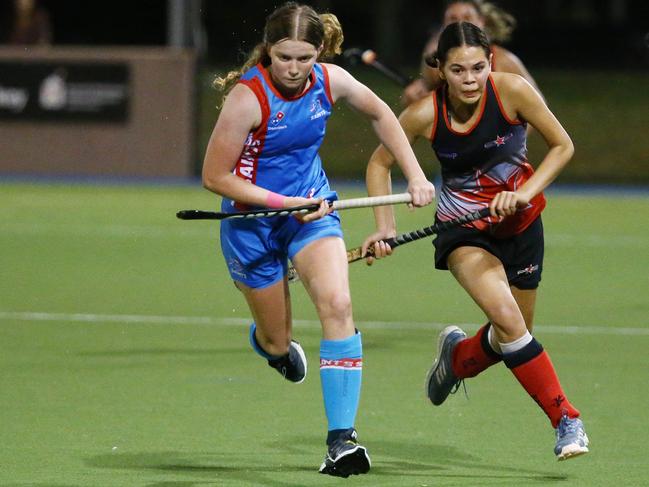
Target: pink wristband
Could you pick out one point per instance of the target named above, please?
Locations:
(274, 200)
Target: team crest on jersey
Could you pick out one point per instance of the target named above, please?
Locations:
(498, 141)
(317, 110)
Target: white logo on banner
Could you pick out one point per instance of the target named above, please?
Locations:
(53, 93)
(13, 99)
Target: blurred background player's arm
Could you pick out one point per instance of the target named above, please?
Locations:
(506, 61)
(429, 79)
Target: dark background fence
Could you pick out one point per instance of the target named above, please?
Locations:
(590, 58)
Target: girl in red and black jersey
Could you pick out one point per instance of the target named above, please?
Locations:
(476, 122)
(496, 23)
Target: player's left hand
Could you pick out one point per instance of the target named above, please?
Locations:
(507, 203)
(379, 247)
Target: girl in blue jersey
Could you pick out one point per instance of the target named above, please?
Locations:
(476, 123)
(264, 153)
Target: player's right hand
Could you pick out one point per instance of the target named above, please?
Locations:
(323, 210)
(422, 192)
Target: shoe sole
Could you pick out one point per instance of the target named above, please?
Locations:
(572, 451)
(302, 355)
(440, 344)
(355, 461)
(567, 455)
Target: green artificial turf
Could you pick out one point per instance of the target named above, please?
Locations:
(125, 359)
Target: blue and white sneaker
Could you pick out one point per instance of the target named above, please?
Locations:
(345, 456)
(571, 438)
(440, 380)
(293, 365)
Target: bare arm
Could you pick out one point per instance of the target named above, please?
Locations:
(416, 121)
(527, 104)
(429, 79)
(507, 62)
(387, 128)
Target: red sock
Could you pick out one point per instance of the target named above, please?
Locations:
(473, 355)
(540, 380)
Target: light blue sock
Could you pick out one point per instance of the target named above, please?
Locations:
(255, 344)
(341, 366)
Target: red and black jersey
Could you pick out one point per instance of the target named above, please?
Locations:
(489, 157)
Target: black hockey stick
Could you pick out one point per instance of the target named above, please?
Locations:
(356, 254)
(390, 199)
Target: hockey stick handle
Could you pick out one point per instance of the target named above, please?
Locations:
(391, 199)
(437, 227)
(370, 201)
(356, 254)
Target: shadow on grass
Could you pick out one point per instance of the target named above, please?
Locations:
(284, 462)
(214, 352)
(204, 468)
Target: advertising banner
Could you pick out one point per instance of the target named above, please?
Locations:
(64, 91)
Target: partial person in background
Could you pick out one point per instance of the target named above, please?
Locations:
(495, 22)
(263, 152)
(26, 22)
(476, 124)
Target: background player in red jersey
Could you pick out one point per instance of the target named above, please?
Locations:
(264, 152)
(476, 123)
(496, 23)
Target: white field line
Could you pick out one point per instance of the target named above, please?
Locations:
(206, 229)
(206, 320)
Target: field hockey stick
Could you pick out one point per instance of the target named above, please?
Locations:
(391, 199)
(370, 58)
(356, 254)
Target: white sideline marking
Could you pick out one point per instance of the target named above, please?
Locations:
(206, 320)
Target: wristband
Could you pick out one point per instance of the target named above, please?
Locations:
(274, 200)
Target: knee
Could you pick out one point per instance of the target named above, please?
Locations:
(507, 320)
(337, 306)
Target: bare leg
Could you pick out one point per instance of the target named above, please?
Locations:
(323, 269)
(526, 299)
(271, 310)
(482, 275)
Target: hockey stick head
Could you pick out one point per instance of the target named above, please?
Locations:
(197, 215)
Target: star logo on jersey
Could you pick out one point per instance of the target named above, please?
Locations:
(499, 141)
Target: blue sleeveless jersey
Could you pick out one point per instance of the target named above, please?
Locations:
(489, 157)
(281, 155)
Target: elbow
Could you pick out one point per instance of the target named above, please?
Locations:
(569, 151)
(211, 183)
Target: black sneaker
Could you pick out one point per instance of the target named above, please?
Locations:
(440, 380)
(292, 365)
(345, 457)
